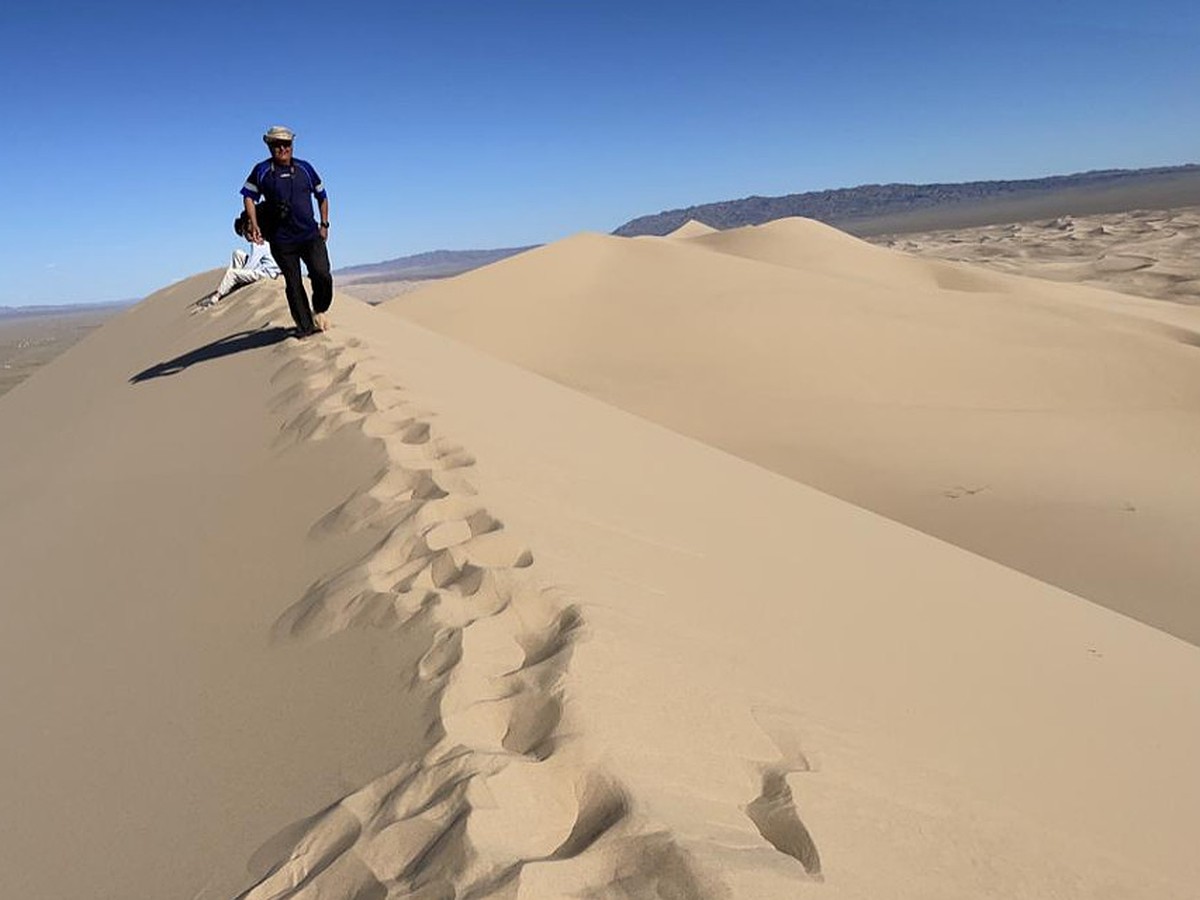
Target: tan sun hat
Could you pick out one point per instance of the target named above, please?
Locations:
(278, 133)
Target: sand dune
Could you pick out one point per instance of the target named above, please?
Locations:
(690, 229)
(377, 615)
(1049, 427)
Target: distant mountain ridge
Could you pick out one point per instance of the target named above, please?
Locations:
(61, 309)
(879, 208)
(866, 210)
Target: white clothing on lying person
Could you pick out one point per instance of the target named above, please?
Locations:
(245, 269)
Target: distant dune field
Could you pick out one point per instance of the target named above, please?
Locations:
(1149, 253)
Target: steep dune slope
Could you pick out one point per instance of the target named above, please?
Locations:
(149, 533)
(1049, 427)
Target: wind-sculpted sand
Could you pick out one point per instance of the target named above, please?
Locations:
(1050, 427)
(505, 782)
(1150, 253)
(376, 615)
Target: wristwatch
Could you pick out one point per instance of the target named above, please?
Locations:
(324, 224)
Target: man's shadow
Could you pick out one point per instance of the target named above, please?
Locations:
(226, 346)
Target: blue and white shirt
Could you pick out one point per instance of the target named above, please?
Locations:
(292, 187)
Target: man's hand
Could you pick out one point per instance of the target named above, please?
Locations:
(324, 229)
(255, 234)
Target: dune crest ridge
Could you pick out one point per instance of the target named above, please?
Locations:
(507, 782)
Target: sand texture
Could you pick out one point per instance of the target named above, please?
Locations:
(1049, 427)
(379, 615)
(1150, 253)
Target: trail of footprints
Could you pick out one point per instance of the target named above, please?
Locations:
(505, 802)
(504, 797)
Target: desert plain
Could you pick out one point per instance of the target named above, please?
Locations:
(30, 341)
(758, 563)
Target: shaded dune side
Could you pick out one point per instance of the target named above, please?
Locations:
(506, 784)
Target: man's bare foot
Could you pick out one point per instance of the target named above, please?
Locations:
(321, 322)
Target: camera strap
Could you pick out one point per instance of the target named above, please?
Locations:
(291, 179)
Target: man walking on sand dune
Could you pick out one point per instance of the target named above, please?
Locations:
(286, 186)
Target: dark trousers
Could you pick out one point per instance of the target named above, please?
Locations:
(316, 260)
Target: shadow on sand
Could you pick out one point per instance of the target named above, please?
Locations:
(226, 346)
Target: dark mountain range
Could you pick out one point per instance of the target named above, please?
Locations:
(434, 264)
(886, 208)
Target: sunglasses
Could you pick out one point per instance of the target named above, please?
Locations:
(280, 145)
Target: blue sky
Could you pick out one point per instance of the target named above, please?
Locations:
(128, 127)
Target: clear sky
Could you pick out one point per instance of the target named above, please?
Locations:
(127, 128)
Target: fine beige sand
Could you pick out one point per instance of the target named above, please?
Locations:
(1049, 427)
(378, 614)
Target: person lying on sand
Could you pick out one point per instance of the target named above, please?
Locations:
(244, 268)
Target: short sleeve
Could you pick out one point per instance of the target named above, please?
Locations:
(318, 186)
(251, 188)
